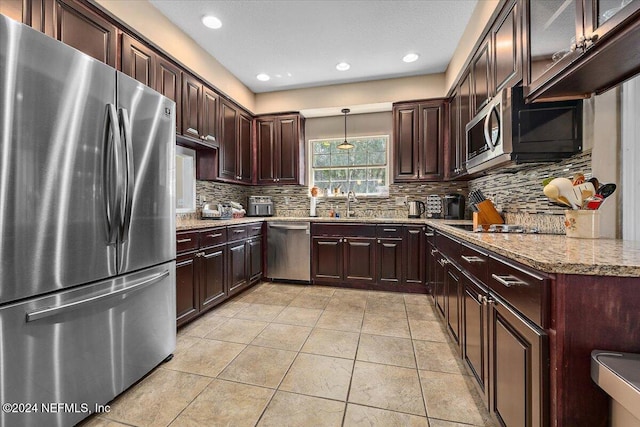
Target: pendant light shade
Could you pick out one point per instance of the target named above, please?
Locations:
(345, 145)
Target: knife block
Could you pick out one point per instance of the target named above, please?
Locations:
(486, 215)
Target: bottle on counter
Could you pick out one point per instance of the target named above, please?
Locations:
(332, 213)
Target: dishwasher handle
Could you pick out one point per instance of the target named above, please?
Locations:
(289, 227)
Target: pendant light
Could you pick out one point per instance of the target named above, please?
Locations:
(345, 145)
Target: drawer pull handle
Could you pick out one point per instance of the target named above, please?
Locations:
(214, 235)
(238, 231)
(429, 234)
(389, 230)
(471, 259)
(183, 240)
(443, 262)
(434, 251)
(256, 228)
(509, 281)
(414, 231)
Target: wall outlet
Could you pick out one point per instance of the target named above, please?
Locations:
(287, 200)
(401, 201)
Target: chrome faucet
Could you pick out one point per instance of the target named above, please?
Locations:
(351, 197)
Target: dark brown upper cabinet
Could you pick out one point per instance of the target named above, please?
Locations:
(138, 61)
(82, 28)
(506, 48)
(419, 140)
(235, 144)
(13, 9)
(199, 110)
(169, 83)
(481, 69)
(280, 146)
(576, 48)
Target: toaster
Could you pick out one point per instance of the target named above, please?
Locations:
(260, 206)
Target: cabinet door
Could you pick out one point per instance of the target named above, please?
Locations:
(13, 9)
(431, 141)
(187, 305)
(328, 262)
(209, 115)
(168, 83)
(286, 157)
(475, 343)
(465, 117)
(507, 49)
(359, 260)
(414, 255)
(519, 361)
(237, 266)
(453, 151)
(266, 150)
(244, 148)
(212, 277)
(452, 301)
(191, 106)
(229, 135)
(481, 78)
(438, 284)
(389, 261)
(254, 264)
(138, 61)
(83, 29)
(405, 143)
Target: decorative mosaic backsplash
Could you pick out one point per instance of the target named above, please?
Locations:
(517, 195)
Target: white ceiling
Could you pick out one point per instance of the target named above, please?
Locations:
(302, 41)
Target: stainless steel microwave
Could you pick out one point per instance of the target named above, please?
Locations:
(508, 132)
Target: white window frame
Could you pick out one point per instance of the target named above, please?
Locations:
(387, 165)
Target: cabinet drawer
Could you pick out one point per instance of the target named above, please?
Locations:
(524, 290)
(448, 246)
(389, 231)
(430, 234)
(342, 230)
(254, 229)
(237, 232)
(186, 241)
(213, 236)
(474, 261)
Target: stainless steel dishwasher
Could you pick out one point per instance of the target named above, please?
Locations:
(289, 251)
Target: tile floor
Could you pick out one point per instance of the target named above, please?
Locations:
(293, 355)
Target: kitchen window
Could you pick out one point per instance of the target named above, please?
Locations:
(363, 169)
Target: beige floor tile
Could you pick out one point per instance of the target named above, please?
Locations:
(310, 301)
(284, 337)
(382, 306)
(433, 422)
(328, 342)
(262, 312)
(237, 330)
(364, 416)
(274, 298)
(259, 366)
(285, 288)
(387, 350)
(225, 403)
(381, 325)
(319, 376)
(437, 356)
(344, 305)
(418, 299)
(298, 316)
(229, 309)
(295, 410)
(428, 330)
(420, 312)
(197, 359)
(98, 421)
(387, 387)
(452, 397)
(346, 293)
(321, 291)
(388, 297)
(201, 327)
(158, 399)
(339, 321)
(388, 314)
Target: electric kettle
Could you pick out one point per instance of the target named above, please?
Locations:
(416, 208)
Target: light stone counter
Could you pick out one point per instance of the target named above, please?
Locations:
(547, 253)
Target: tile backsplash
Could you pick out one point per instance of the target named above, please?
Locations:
(517, 195)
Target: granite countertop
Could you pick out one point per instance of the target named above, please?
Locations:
(544, 252)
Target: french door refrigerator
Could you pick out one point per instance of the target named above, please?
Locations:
(87, 230)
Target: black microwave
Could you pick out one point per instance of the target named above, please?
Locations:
(508, 132)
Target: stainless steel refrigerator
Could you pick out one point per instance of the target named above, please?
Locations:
(87, 230)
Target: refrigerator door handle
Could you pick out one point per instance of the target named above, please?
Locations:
(112, 199)
(130, 180)
(125, 292)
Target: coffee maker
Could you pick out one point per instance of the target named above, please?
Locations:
(453, 206)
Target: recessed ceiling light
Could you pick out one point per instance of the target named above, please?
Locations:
(263, 77)
(211, 22)
(343, 66)
(410, 57)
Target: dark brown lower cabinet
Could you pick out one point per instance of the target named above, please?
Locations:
(328, 262)
(245, 263)
(254, 253)
(453, 293)
(475, 343)
(519, 368)
(359, 260)
(389, 261)
(414, 271)
(213, 276)
(186, 288)
(438, 281)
